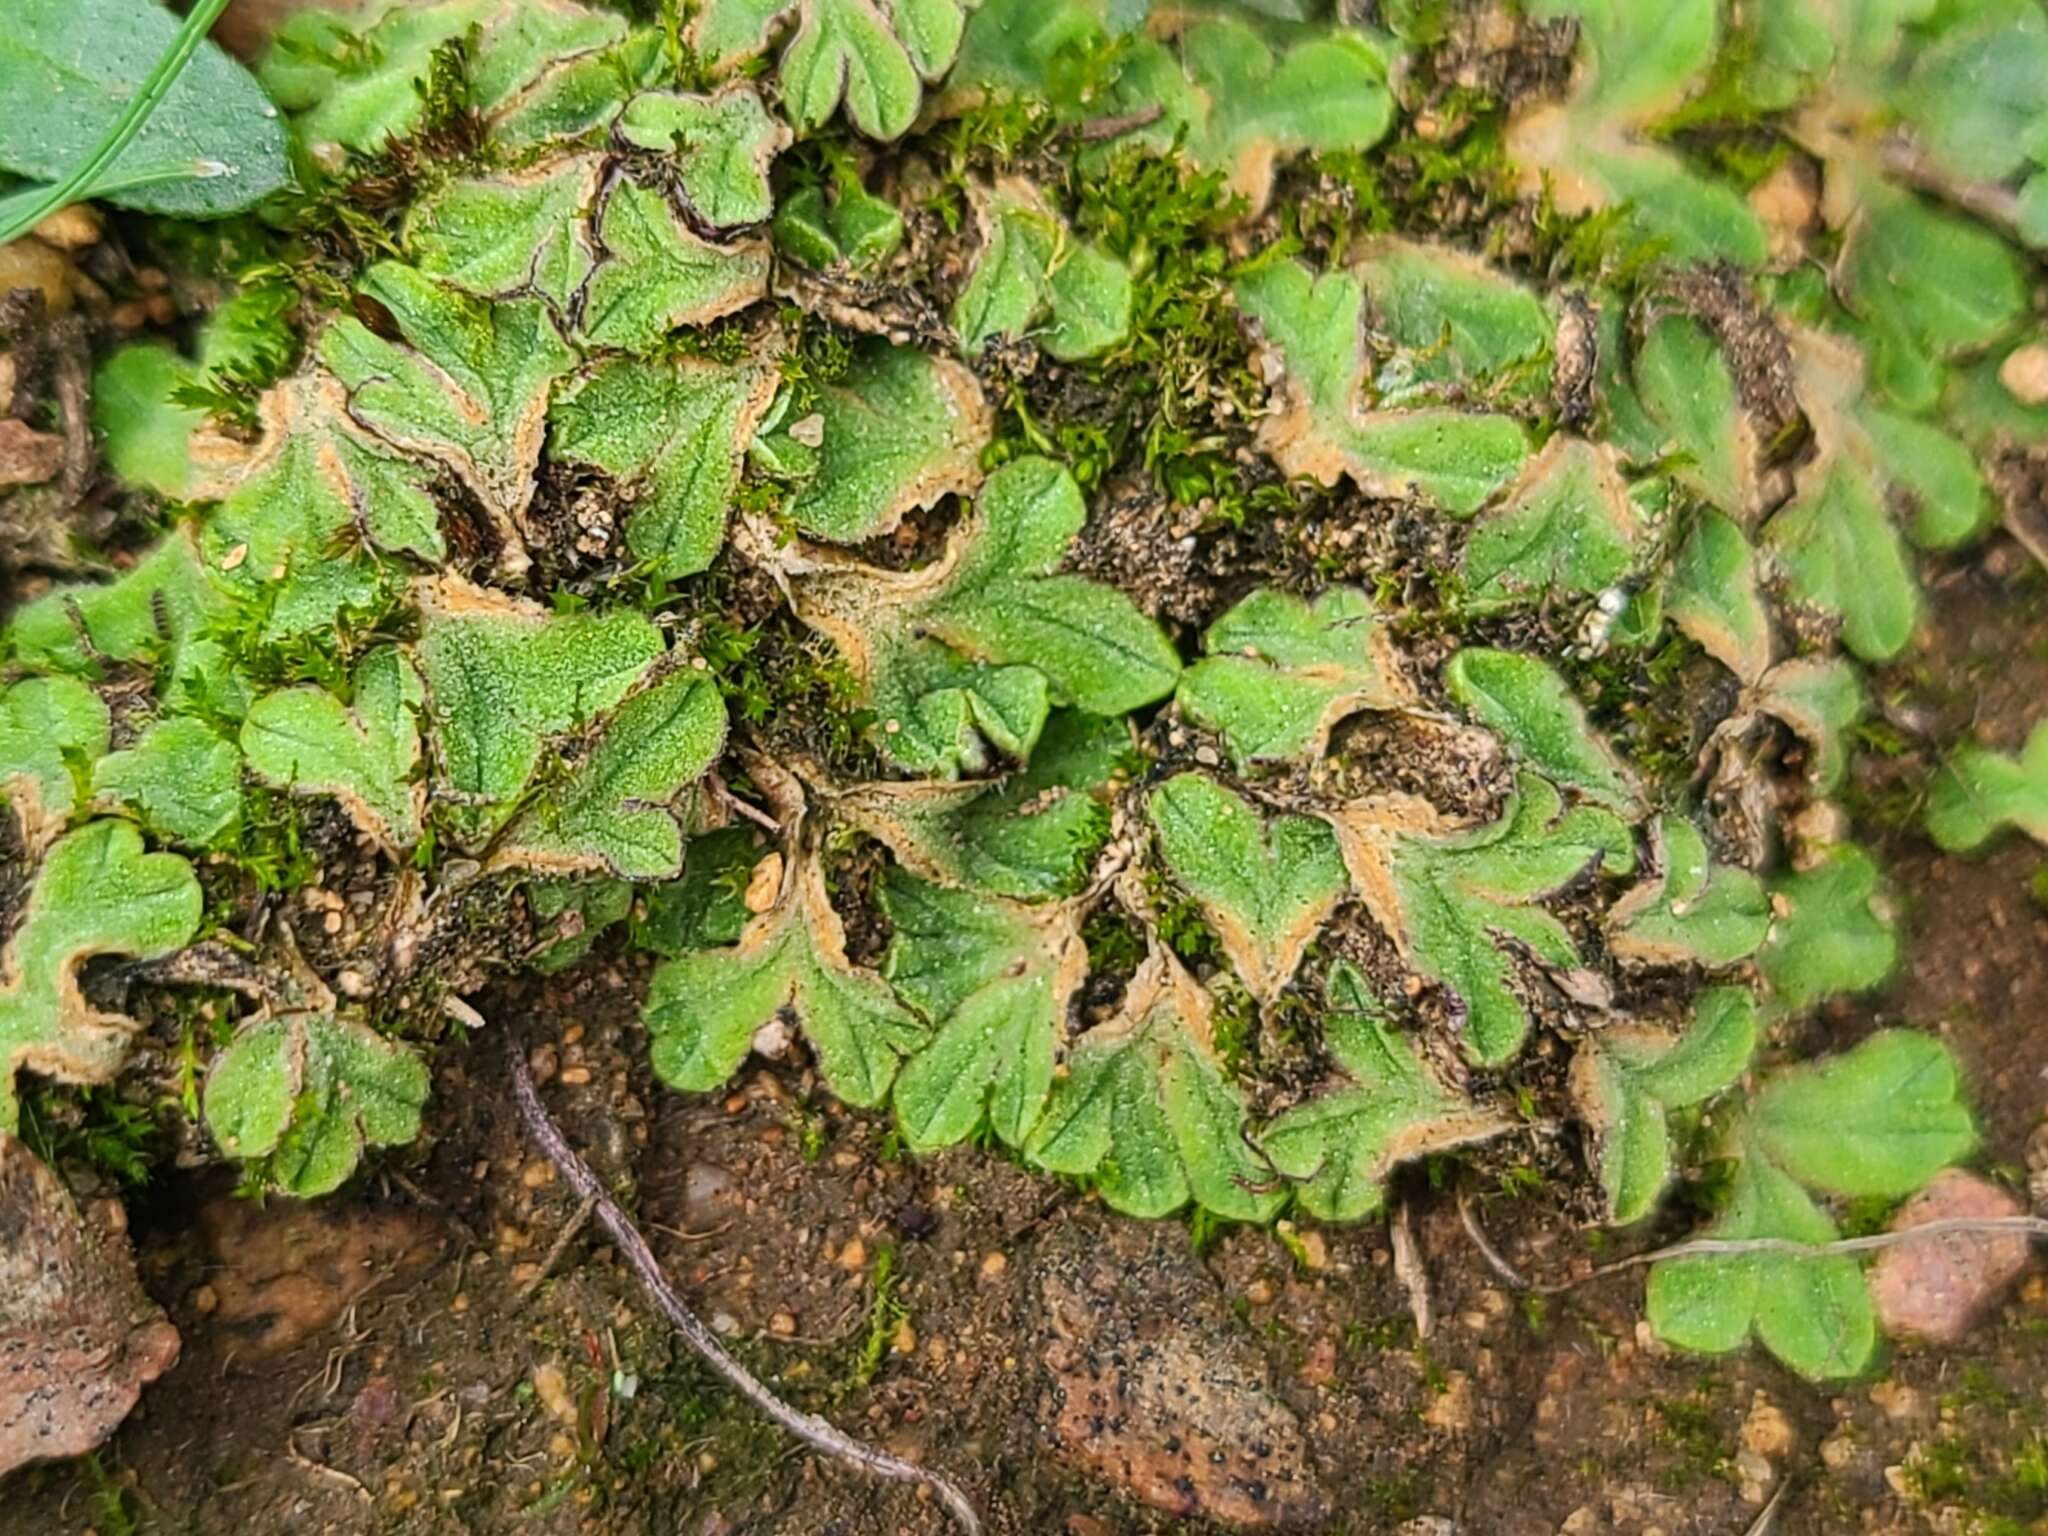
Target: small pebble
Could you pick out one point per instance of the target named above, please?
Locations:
(1936, 1288)
(71, 229)
(2024, 373)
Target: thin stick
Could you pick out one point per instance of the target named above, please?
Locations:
(809, 1428)
(1097, 128)
(1484, 1244)
(559, 1246)
(1722, 1247)
(1768, 1520)
(1409, 1268)
(1947, 1226)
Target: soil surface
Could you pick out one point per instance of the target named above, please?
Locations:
(449, 1350)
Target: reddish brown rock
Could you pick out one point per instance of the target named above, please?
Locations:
(286, 1271)
(1935, 1288)
(79, 1339)
(1156, 1391)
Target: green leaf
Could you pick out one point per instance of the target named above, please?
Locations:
(1950, 506)
(1281, 672)
(1030, 838)
(840, 222)
(469, 391)
(502, 676)
(524, 39)
(530, 66)
(659, 276)
(1685, 385)
(672, 434)
(51, 730)
(1880, 1120)
(1627, 1078)
(1585, 153)
(97, 893)
(1877, 1122)
(722, 145)
(876, 55)
(1812, 1313)
(574, 93)
(580, 912)
(1449, 898)
(2032, 217)
(704, 1008)
(1833, 933)
(1015, 47)
(1975, 95)
(1265, 888)
(1233, 104)
(1638, 64)
(509, 235)
(900, 431)
(1690, 911)
(995, 980)
(1091, 297)
(1977, 792)
(1389, 1108)
(1975, 92)
(1454, 320)
(995, 597)
(1819, 698)
(1457, 458)
(213, 145)
(145, 432)
(1794, 49)
(1533, 708)
(1031, 273)
(707, 906)
(304, 1093)
(1716, 600)
(1006, 291)
(1842, 554)
(1146, 1112)
(1928, 285)
(181, 778)
(154, 614)
(365, 754)
(1567, 527)
(287, 538)
(1665, 204)
(616, 811)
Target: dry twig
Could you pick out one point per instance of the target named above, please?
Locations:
(1720, 1247)
(1768, 1520)
(1409, 1268)
(559, 1246)
(809, 1428)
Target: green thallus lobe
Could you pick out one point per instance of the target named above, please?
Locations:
(549, 346)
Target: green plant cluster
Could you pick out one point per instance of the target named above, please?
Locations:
(718, 428)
